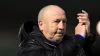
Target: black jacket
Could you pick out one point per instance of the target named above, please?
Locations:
(96, 46)
(33, 43)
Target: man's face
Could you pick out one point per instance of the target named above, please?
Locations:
(55, 26)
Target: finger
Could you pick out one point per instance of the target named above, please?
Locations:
(81, 14)
(80, 24)
(83, 11)
(82, 21)
(84, 26)
(83, 18)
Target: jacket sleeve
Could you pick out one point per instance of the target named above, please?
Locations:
(96, 47)
(90, 43)
(73, 46)
(79, 40)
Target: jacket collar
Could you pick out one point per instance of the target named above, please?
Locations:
(38, 36)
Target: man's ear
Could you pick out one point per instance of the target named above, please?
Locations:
(40, 24)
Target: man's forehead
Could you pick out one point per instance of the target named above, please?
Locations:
(54, 9)
(51, 11)
(62, 16)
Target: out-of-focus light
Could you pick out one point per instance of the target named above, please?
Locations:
(98, 27)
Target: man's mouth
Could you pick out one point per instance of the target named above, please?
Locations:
(61, 34)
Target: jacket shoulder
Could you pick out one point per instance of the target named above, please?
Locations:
(30, 49)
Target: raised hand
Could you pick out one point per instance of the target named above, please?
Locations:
(84, 19)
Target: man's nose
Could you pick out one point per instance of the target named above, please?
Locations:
(61, 25)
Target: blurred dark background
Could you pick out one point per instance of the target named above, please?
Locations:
(14, 12)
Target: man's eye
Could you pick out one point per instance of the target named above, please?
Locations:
(57, 21)
(64, 21)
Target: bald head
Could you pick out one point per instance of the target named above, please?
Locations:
(50, 9)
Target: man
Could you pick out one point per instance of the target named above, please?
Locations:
(48, 38)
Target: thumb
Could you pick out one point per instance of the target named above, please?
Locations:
(80, 23)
